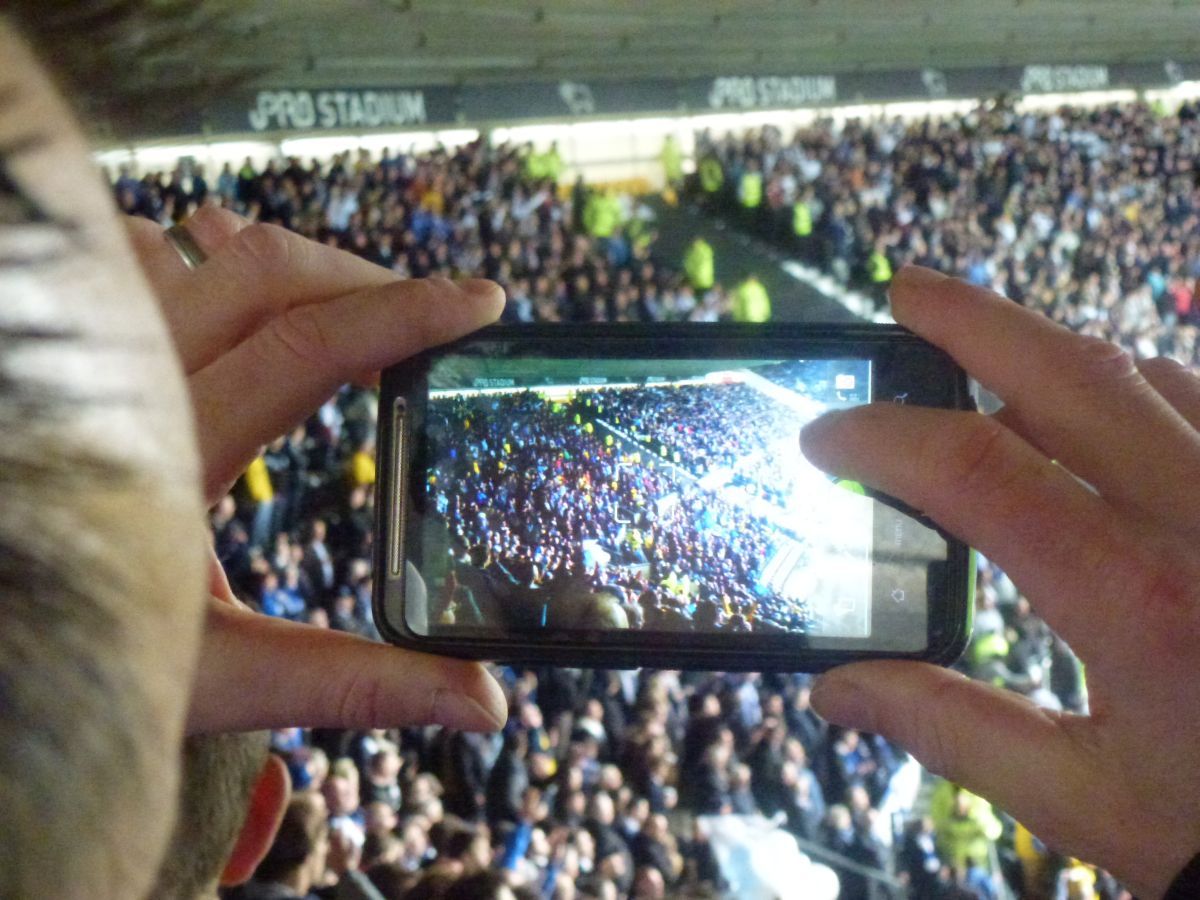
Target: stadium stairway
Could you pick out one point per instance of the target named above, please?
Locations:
(737, 255)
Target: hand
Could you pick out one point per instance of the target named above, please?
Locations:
(1114, 570)
(266, 330)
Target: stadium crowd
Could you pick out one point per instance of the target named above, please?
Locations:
(1089, 215)
(473, 210)
(593, 788)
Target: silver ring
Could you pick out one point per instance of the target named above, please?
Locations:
(185, 245)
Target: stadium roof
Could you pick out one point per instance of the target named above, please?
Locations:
(319, 43)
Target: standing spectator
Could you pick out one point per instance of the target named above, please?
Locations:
(508, 780)
(750, 301)
(318, 561)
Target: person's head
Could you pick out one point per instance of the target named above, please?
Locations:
(414, 838)
(379, 847)
(533, 809)
(102, 544)
(380, 818)
(601, 808)
(611, 779)
(962, 804)
(425, 788)
(481, 886)
(530, 715)
(648, 884)
(317, 767)
(657, 828)
(471, 847)
(298, 854)
(341, 789)
(858, 799)
(385, 765)
(839, 818)
(392, 880)
(316, 531)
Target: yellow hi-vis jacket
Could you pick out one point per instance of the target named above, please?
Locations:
(802, 220)
(750, 302)
(750, 189)
(699, 266)
(879, 268)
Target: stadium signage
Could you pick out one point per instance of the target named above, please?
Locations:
(1053, 79)
(306, 110)
(771, 91)
(284, 110)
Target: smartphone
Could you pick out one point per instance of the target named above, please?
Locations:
(619, 496)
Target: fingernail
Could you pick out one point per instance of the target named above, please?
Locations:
(817, 432)
(461, 712)
(842, 702)
(481, 287)
(919, 276)
(909, 284)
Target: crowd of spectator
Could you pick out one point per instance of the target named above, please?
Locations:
(546, 491)
(470, 211)
(1090, 215)
(593, 787)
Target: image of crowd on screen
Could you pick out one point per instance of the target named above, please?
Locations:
(544, 498)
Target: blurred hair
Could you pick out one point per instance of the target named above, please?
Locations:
(219, 772)
(73, 734)
(391, 880)
(431, 886)
(303, 826)
(378, 846)
(458, 842)
(132, 66)
(81, 732)
(489, 885)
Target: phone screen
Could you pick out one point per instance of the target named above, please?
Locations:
(664, 496)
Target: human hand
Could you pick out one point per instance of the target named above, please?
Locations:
(267, 329)
(1114, 570)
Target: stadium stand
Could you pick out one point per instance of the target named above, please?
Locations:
(594, 786)
(470, 210)
(1088, 215)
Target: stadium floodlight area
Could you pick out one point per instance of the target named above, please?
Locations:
(605, 150)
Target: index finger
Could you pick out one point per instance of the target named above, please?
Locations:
(261, 672)
(253, 273)
(1080, 399)
(275, 378)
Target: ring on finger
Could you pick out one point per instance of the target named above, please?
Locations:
(185, 245)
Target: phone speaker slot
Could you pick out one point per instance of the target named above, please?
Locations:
(399, 466)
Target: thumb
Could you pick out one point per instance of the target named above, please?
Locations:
(258, 672)
(990, 741)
